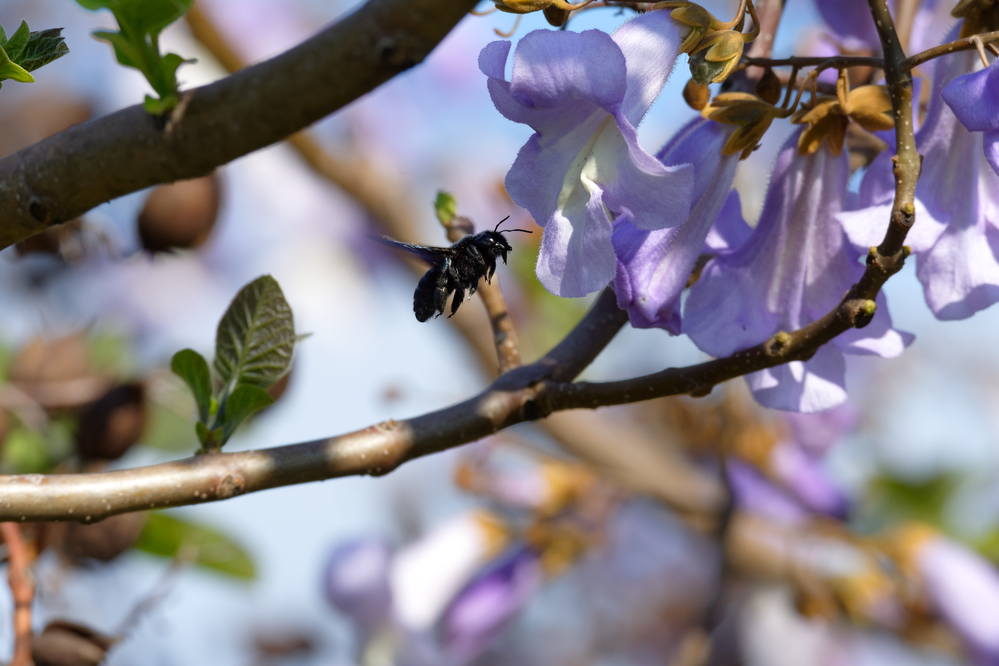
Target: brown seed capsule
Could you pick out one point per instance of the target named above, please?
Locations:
(112, 424)
(555, 16)
(180, 215)
(103, 541)
(768, 88)
(66, 643)
(696, 95)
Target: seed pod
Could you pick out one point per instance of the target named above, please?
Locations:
(66, 643)
(696, 95)
(112, 424)
(180, 215)
(103, 541)
(768, 88)
(555, 16)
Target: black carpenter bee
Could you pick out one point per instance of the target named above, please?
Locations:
(455, 269)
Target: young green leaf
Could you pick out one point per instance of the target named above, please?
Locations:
(445, 206)
(16, 43)
(11, 70)
(25, 51)
(256, 336)
(244, 401)
(192, 367)
(136, 44)
(165, 535)
(43, 47)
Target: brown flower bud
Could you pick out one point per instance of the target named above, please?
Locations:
(105, 540)
(696, 95)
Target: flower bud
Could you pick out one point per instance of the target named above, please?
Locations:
(716, 56)
(696, 95)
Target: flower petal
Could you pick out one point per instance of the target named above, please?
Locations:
(576, 256)
(655, 266)
(960, 275)
(649, 44)
(730, 230)
(991, 140)
(803, 386)
(656, 195)
(558, 68)
(972, 97)
(878, 338)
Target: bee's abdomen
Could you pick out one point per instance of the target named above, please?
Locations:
(431, 294)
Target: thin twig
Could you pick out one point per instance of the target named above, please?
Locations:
(963, 44)
(505, 337)
(22, 589)
(821, 62)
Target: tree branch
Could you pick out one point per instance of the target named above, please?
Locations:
(69, 173)
(22, 590)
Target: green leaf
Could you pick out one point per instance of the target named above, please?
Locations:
(136, 44)
(11, 70)
(256, 336)
(94, 5)
(245, 401)
(192, 367)
(15, 45)
(445, 206)
(124, 50)
(43, 47)
(166, 535)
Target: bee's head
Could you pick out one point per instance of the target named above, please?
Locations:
(494, 242)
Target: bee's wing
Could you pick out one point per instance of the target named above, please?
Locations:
(432, 255)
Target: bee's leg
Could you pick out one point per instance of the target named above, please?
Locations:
(490, 267)
(459, 296)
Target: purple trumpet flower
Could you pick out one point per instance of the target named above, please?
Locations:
(973, 99)
(484, 607)
(654, 266)
(582, 170)
(794, 268)
(964, 589)
(956, 234)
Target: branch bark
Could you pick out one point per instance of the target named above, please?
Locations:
(69, 173)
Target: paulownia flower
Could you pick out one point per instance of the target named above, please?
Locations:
(974, 98)
(795, 267)
(956, 234)
(654, 266)
(582, 170)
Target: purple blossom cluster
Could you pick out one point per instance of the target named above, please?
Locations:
(644, 223)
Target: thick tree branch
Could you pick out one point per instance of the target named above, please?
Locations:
(71, 172)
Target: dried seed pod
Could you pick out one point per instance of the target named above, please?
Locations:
(103, 541)
(180, 215)
(66, 643)
(112, 424)
(696, 95)
(555, 16)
